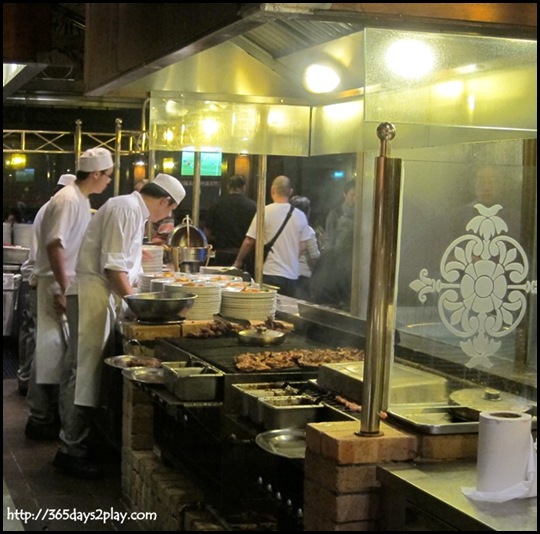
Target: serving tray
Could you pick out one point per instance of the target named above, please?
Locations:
(146, 375)
(286, 442)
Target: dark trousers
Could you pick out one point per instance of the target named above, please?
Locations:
(286, 286)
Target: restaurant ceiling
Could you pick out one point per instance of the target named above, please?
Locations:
(263, 57)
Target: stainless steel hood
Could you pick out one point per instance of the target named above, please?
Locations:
(265, 63)
(239, 50)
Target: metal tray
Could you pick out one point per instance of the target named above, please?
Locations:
(286, 442)
(251, 393)
(127, 361)
(146, 375)
(291, 411)
(195, 382)
(431, 418)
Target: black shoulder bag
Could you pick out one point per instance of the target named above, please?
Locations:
(268, 246)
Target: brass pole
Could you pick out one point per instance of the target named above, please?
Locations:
(151, 175)
(261, 202)
(78, 142)
(196, 189)
(382, 287)
(117, 152)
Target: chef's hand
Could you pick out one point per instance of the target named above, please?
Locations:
(60, 304)
(124, 314)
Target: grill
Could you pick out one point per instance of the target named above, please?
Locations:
(217, 441)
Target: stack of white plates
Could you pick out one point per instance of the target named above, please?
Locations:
(215, 269)
(22, 234)
(8, 234)
(145, 281)
(158, 282)
(207, 303)
(152, 258)
(222, 280)
(251, 303)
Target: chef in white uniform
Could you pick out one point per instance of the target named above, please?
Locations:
(62, 228)
(108, 267)
(28, 300)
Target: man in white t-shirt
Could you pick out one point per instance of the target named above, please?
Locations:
(282, 265)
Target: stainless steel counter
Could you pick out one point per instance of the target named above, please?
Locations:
(436, 490)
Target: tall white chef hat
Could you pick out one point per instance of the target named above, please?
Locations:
(172, 185)
(66, 179)
(95, 159)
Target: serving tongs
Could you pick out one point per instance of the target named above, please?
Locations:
(231, 320)
(306, 390)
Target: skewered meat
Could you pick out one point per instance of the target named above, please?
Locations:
(267, 360)
(216, 329)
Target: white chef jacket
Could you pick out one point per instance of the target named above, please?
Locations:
(113, 241)
(284, 260)
(65, 217)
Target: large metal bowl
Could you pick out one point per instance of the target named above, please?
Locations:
(159, 306)
(15, 254)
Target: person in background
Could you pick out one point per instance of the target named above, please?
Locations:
(109, 263)
(346, 208)
(310, 257)
(489, 188)
(28, 297)
(14, 216)
(228, 221)
(282, 265)
(62, 228)
(331, 280)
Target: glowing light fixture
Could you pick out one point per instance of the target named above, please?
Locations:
(168, 164)
(410, 58)
(321, 78)
(210, 126)
(18, 161)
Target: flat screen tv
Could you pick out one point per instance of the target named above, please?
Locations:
(210, 163)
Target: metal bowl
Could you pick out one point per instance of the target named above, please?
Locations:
(15, 254)
(159, 306)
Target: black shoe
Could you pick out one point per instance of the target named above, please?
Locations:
(76, 466)
(41, 431)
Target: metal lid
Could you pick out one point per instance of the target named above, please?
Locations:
(261, 336)
(486, 399)
(187, 236)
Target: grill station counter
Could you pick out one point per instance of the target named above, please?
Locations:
(216, 439)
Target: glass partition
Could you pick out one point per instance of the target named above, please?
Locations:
(467, 273)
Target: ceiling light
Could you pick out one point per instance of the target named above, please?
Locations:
(410, 58)
(319, 78)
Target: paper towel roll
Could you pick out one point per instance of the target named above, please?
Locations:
(504, 443)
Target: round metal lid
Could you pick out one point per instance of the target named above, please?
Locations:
(487, 399)
(261, 336)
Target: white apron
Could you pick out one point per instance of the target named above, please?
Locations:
(97, 316)
(50, 343)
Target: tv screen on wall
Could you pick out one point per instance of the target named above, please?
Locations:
(210, 163)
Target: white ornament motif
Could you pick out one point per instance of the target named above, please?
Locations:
(482, 294)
